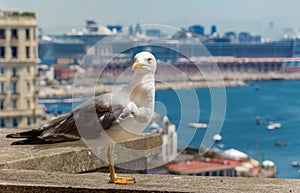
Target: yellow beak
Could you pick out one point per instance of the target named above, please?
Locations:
(136, 65)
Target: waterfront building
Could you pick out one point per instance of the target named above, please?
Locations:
(231, 162)
(18, 70)
(169, 140)
(138, 29)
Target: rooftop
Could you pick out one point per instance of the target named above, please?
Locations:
(17, 19)
(196, 166)
(10, 13)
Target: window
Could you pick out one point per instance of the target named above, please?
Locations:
(14, 88)
(2, 52)
(27, 52)
(28, 104)
(2, 33)
(14, 104)
(14, 71)
(14, 52)
(28, 86)
(1, 70)
(28, 69)
(27, 34)
(14, 34)
(2, 122)
(1, 104)
(15, 122)
(28, 121)
(1, 88)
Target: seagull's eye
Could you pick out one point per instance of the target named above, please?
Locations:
(149, 59)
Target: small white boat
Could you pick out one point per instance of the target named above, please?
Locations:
(221, 145)
(198, 125)
(280, 143)
(295, 164)
(272, 126)
(217, 137)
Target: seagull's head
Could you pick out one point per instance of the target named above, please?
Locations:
(144, 62)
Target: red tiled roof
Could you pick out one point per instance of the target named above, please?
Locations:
(196, 166)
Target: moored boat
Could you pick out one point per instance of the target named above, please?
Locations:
(198, 125)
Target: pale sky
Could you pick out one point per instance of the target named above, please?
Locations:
(59, 16)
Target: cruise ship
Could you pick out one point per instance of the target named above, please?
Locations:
(74, 45)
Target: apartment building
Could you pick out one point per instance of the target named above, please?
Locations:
(18, 70)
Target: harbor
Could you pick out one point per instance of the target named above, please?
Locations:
(232, 80)
(67, 91)
(240, 130)
(226, 101)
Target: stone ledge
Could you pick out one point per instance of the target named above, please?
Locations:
(39, 181)
(72, 157)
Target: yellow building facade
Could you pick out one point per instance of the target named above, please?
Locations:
(18, 71)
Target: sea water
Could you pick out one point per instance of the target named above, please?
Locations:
(273, 101)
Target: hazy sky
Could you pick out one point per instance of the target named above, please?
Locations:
(59, 16)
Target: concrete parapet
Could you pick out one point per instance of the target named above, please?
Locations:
(39, 181)
(71, 157)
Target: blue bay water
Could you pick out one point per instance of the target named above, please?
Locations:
(277, 101)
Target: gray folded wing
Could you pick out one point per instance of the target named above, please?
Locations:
(89, 119)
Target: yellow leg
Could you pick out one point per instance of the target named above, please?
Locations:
(113, 176)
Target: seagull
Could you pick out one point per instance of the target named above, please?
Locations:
(110, 118)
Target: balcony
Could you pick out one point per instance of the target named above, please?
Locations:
(3, 78)
(31, 77)
(15, 95)
(36, 77)
(38, 111)
(15, 78)
(3, 40)
(3, 96)
(16, 112)
(14, 40)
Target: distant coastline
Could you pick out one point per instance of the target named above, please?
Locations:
(230, 80)
(48, 92)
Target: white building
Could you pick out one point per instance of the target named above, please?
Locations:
(169, 140)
